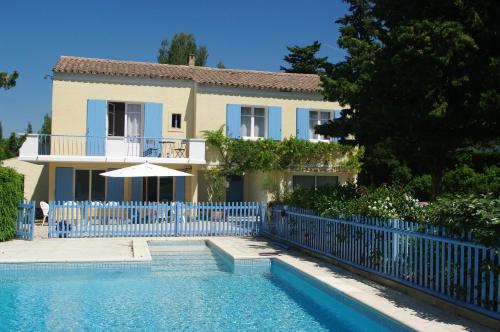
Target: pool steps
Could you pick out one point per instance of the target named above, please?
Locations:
(189, 258)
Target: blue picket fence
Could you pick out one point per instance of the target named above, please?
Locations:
(25, 226)
(124, 219)
(422, 257)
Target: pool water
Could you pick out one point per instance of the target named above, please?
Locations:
(188, 287)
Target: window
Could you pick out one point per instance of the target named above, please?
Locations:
(124, 119)
(176, 120)
(318, 118)
(116, 119)
(89, 185)
(97, 186)
(253, 121)
(134, 120)
(303, 181)
(314, 181)
(322, 181)
(158, 189)
(82, 185)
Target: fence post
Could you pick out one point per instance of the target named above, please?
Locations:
(32, 220)
(176, 206)
(263, 218)
(395, 242)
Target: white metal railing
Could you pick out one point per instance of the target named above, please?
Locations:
(108, 146)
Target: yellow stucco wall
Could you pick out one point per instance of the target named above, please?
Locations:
(202, 107)
(211, 105)
(36, 179)
(70, 94)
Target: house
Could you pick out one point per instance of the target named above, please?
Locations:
(35, 178)
(108, 114)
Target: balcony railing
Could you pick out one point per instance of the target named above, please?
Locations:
(112, 147)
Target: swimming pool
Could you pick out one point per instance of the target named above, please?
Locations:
(187, 287)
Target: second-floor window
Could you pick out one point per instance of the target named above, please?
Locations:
(176, 120)
(318, 118)
(253, 121)
(124, 119)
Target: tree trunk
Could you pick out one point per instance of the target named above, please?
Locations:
(437, 178)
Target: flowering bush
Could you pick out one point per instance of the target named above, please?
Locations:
(460, 214)
(382, 202)
(477, 214)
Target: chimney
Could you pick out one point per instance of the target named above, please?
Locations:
(192, 59)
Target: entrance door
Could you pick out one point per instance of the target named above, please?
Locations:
(235, 191)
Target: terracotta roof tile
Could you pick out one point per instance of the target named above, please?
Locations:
(202, 75)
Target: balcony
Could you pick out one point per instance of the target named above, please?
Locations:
(44, 148)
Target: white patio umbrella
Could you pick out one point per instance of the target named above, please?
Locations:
(144, 170)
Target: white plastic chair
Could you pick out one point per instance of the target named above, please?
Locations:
(45, 209)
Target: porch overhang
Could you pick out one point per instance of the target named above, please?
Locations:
(105, 159)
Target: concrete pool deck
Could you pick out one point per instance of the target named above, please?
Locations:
(414, 313)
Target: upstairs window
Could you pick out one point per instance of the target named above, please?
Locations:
(176, 120)
(253, 121)
(124, 119)
(318, 118)
(116, 119)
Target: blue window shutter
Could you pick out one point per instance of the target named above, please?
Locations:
(153, 120)
(302, 123)
(115, 189)
(64, 184)
(274, 122)
(96, 127)
(137, 189)
(233, 120)
(180, 189)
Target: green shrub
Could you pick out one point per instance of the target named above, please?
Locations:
(421, 187)
(465, 180)
(345, 201)
(11, 193)
(478, 214)
(321, 199)
(385, 202)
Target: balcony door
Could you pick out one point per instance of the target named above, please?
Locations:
(125, 119)
(125, 128)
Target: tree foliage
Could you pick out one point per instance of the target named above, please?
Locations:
(8, 81)
(46, 125)
(304, 60)
(221, 65)
(420, 80)
(177, 51)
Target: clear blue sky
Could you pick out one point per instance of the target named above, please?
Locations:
(243, 34)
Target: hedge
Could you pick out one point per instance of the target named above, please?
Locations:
(11, 193)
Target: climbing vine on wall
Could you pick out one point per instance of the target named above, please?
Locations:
(236, 156)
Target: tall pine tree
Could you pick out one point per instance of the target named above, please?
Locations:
(421, 80)
(304, 60)
(177, 51)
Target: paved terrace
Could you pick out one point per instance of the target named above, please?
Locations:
(414, 313)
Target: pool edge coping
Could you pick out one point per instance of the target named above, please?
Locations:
(278, 257)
